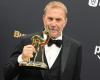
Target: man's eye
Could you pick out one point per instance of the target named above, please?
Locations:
(50, 19)
(58, 19)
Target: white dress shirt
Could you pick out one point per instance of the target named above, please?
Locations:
(52, 52)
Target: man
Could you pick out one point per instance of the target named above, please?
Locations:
(64, 61)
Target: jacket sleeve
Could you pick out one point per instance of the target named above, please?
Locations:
(77, 68)
(11, 67)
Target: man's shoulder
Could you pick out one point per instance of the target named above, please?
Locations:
(72, 40)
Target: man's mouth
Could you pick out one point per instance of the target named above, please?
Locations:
(53, 30)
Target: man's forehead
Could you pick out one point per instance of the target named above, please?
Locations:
(55, 11)
(54, 16)
(55, 8)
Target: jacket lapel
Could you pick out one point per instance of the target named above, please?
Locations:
(65, 53)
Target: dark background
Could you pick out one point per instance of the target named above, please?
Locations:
(26, 16)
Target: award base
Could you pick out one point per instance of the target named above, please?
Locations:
(35, 65)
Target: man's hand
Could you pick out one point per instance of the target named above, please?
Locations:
(28, 52)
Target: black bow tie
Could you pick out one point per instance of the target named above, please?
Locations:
(58, 43)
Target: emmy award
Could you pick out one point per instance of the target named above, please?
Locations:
(37, 61)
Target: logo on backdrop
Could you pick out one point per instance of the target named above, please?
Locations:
(97, 51)
(94, 3)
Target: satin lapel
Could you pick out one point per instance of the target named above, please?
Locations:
(65, 53)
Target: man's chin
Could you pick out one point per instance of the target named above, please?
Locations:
(53, 35)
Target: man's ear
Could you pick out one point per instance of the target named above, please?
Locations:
(44, 20)
(43, 17)
(66, 19)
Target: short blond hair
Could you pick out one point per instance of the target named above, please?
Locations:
(56, 4)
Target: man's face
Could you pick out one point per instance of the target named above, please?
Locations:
(55, 19)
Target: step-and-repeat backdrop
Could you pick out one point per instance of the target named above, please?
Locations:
(26, 16)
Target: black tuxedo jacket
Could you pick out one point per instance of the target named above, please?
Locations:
(70, 61)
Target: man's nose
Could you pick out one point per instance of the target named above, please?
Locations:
(53, 23)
